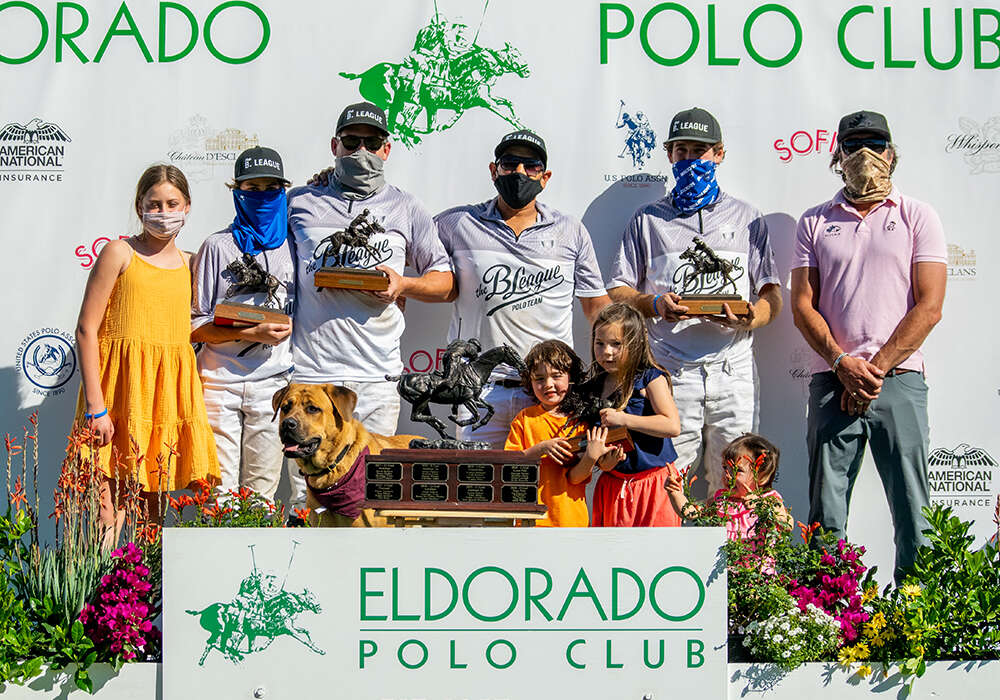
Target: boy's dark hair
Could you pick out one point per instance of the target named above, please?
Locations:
(755, 446)
(557, 355)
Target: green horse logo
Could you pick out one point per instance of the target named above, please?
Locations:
(261, 612)
(443, 76)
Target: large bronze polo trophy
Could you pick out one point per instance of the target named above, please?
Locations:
(448, 474)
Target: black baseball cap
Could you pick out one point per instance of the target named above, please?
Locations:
(259, 162)
(694, 124)
(363, 113)
(522, 137)
(863, 121)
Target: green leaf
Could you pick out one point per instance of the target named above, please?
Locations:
(83, 681)
(76, 631)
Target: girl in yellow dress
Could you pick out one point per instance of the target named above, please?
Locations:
(140, 377)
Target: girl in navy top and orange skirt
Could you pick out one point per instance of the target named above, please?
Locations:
(631, 493)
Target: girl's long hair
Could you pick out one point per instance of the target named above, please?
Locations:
(154, 175)
(635, 349)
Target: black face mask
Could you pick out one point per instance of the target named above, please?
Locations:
(517, 189)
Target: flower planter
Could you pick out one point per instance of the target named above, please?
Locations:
(971, 680)
(133, 682)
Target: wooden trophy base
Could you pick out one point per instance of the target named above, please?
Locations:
(479, 482)
(616, 436)
(246, 315)
(351, 278)
(711, 304)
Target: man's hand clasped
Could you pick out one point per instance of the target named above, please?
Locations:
(862, 382)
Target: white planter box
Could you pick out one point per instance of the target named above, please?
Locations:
(133, 682)
(943, 680)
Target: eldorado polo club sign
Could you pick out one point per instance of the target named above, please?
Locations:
(444, 613)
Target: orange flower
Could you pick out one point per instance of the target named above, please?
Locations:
(148, 533)
(12, 447)
(807, 530)
(302, 513)
(33, 418)
(18, 496)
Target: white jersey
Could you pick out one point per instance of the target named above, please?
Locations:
(237, 360)
(512, 289)
(649, 260)
(343, 335)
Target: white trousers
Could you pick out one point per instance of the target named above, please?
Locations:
(246, 435)
(507, 402)
(716, 402)
(378, 411)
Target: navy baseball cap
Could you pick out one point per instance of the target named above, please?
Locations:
(522, 137)
(863, 121)
(259, 162)
(694, 124)
(363, 113)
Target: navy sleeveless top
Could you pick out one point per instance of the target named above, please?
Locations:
(650, 452)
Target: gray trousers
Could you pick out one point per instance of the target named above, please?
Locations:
(895, 426)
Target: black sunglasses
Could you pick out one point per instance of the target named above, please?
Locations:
(876, 144)
(353, 143)
(532, 166)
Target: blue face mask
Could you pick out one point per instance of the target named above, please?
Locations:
(695, 185)
(261, 221)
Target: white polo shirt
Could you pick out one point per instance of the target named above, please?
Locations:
(344, 335)
(649, 260)
(517, 290)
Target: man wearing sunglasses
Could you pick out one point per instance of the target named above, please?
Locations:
(867, 288)
(351, 338)
(710, 358)
(519, 264)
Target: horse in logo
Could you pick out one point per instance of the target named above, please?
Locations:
(443, 73)
(641, 139)
(261, 612)
(48, 359)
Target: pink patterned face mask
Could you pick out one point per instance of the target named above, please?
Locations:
(163, 225)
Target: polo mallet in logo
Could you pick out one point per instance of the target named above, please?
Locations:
(253, 559)
(295, 543)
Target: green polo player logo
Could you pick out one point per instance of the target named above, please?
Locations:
(261, 612)
(443, 76)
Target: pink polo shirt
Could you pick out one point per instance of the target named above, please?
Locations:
(865, 267)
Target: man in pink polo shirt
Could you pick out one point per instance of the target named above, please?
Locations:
(867, 288)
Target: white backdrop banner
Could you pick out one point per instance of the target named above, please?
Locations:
(95, 91)
(453, 613)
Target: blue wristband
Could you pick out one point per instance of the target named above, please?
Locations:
(89, 416)
(656, 300)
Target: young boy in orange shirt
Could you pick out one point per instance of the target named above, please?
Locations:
(541, 431)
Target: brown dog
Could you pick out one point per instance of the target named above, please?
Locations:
(319, 430)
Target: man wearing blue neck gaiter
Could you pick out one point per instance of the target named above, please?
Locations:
(710, 358)
(242, 366)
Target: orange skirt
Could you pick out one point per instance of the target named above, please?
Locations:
(633, 500)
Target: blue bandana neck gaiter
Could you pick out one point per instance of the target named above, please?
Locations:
(261, 221)
(695, 186)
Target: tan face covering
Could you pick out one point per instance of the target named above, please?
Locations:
(866, 176)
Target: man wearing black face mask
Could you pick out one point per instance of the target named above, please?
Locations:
(518, 263)
(351, 338)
